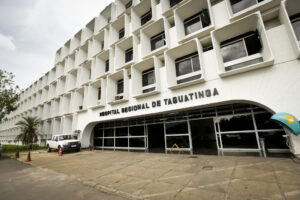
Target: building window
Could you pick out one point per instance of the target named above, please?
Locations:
(121, 33)
(246, 45)
(187, 68)
(158, 41)
(99, 93)
(148, 79)
(128, 5)
(207, 47)
(239, 5)
(128, 55)
(196, 22)
(102, 45)
(174, 2)
(120, 89)
(146, 17)
(177, 133)
(295, 20)
(106, 65)
(120, 86)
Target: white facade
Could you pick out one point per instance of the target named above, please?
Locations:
(67, 97)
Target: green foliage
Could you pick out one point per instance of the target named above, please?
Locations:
(29, 132)
(9, 95)
(13, 148)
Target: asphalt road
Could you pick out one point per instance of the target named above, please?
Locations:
(22, 181)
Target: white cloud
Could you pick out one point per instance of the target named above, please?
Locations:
(38, 28)
(26, 66)
(6, 42)
(56, 21)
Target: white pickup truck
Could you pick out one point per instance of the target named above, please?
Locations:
(64, 142)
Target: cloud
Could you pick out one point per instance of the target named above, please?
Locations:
(6, 42)
(27, 66)
(38, 28)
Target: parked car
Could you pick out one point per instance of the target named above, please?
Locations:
(64, 142)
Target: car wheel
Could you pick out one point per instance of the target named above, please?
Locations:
(48, 149)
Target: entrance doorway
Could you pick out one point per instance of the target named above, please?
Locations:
(203, 137)
(156, 138)
(238, 128)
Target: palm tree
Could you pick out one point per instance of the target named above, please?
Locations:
(29, 132)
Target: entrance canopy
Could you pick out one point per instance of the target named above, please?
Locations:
(287, 121)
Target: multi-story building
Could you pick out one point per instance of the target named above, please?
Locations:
(145, 75)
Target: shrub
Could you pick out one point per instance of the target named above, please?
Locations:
(9, 148)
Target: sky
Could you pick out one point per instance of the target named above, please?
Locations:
(31, 31)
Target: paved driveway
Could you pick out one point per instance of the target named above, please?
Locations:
(19, 181)
(161, 176)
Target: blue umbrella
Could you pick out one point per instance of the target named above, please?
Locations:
(287, 121)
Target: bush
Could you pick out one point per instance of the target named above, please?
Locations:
(9, 148)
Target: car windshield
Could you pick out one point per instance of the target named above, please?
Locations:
(66, 137)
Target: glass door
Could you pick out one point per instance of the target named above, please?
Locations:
(178, 137)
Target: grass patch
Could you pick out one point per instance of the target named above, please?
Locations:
(10, 148)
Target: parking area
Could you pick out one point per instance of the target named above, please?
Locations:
(169, 176)
(21, 181)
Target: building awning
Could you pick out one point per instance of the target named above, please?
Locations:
(287, 121)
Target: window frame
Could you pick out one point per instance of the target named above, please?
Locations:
(243, 59)
(174, 3)
(102, 45)
(99, 93)
(121, 33)
(145, 15)
(128, 4)
(161, 34)
(184, 58)
(114, 137)
(120, 94)
(150, 87)
(127, 51)
(107, 66)
(295, 18)
(257, 2)
(171, 135)
(197, 15)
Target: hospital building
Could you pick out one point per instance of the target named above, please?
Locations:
(188, 76)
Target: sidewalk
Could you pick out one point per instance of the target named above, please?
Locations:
(22, 153)
(21, 181)
(160, 176)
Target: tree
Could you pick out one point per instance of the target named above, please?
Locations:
(9, 94)
(29, 130)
